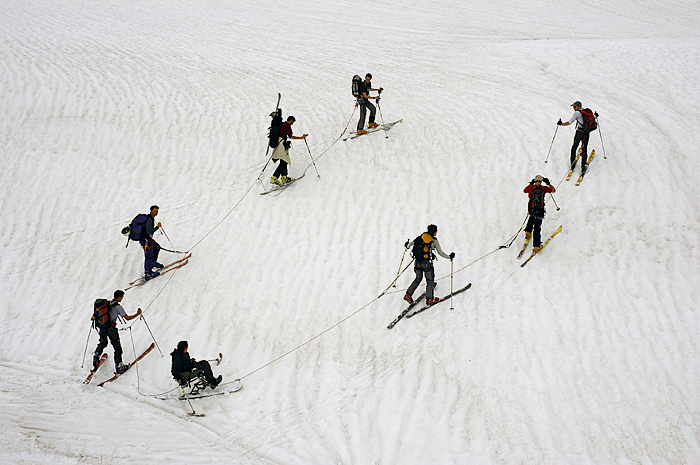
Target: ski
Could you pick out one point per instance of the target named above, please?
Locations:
(162, 270)
(443, 299)
(161, 273)
(145, 352)
(201, 396)
(571, 170)
(543, 246)
(406, 310)
(590, 158)
(283, 186)
(522, 251)
(94, 370)
(381, 127)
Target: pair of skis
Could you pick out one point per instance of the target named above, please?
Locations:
(283, 186)
(405, 312)
(381, 127)
(116, 375)
(540, 250)
(570, 174)
(166, 269)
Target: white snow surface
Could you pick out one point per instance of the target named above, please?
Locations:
(589, 355)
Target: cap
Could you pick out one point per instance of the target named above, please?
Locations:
(576, 104)
(538, 178)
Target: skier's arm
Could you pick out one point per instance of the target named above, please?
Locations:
(572, 120)
(438, 249)
(131, 317)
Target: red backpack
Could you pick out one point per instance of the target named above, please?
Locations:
(589, 121)
(101, 313)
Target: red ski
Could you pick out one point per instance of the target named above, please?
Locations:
(145, 352)
(161, 273)
(94, 370)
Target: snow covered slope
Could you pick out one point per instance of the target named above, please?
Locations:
(588, 355)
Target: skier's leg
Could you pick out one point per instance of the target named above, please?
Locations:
(113, 335)
(430, 283)
(103, 341)
(584, 152)
(372, 111)
(205, 368)
(416, 282)
(537, 234)
(363, 115)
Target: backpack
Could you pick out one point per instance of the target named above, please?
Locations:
(356, 81)
(536, 205)
(137, 230)
(101, 313)
(421, 248)
(275, 128)
(589, 121)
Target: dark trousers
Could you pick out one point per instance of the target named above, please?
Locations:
(281, 169)
(421, 269)
(201, 368)
(151, 249)
(534, 226)
(112, 333)
(363, 113)
(580, 138)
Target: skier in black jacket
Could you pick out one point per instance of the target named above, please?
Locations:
(184, 367)
(151, 248)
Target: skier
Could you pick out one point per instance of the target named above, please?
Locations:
(535, 208)
(110, 331)
(581, 137)
(364, 88)
(151, 248)
(184, 368)
(281, 153)
(424, 248)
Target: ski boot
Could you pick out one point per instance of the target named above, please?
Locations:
(286, 179)
(372, 125)
(95, 361)
(432, 301)
(216, 382)
(158, 265)
(275, 180)
(536, 248)
(151, 275)
(408, 298)
(528, 235)
(361, 132)
(121, 368)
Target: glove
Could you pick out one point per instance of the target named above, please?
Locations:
(559, 122)
(406, 245)
(532, 181)
(546, 181)
(159, 225)
(595, 113)
(452, 256)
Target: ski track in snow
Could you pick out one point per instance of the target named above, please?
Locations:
(588, 355)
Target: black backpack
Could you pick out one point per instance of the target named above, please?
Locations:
(275, 128)
(356, 81)
(421, 249)
(101, 313)
(589, 121)
(536, 205)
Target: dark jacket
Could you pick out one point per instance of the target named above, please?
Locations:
(182, 363)
(150, 226)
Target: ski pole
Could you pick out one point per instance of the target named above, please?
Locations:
(312, 157)
(395, 279)
(401, 264)
(451, 281)
(152, 337)
(386, 136)
(173, 251)
(600, 133)
(82, 364)
(550, 145)
(184, 394)
(555, 202)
